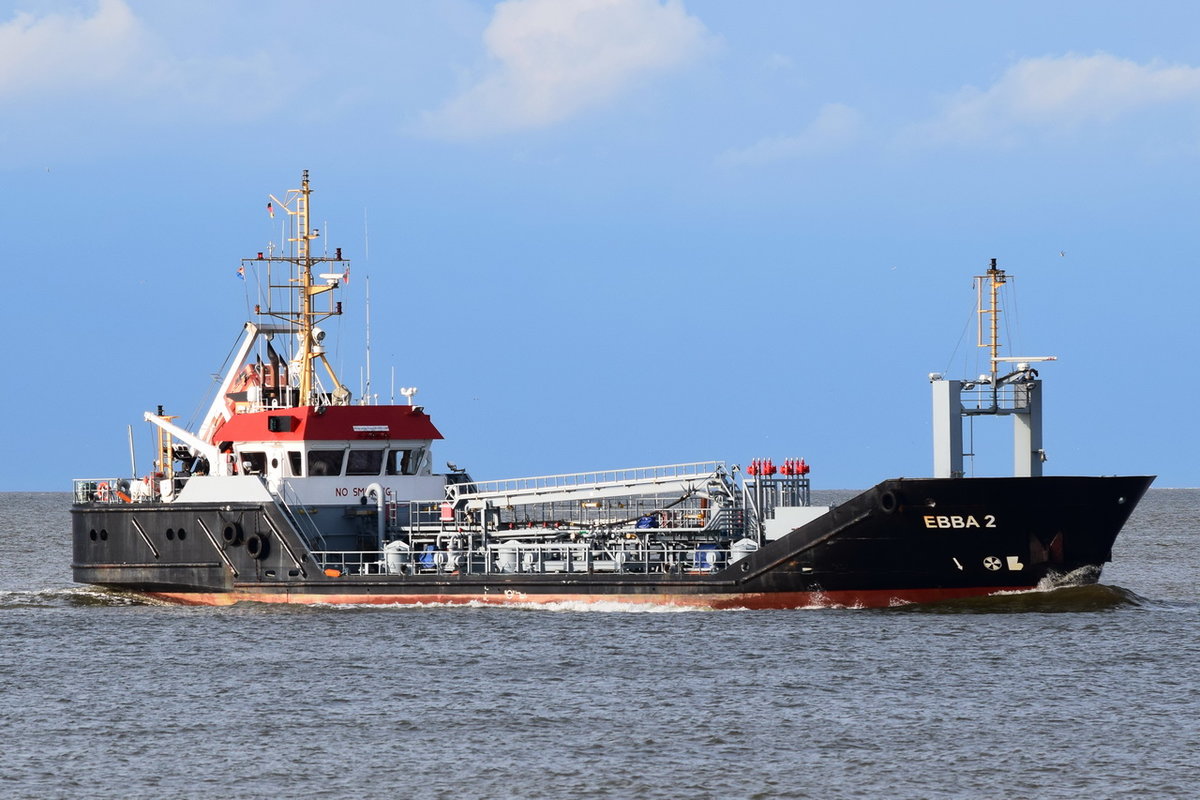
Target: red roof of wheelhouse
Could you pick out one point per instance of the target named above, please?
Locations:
(331, 423)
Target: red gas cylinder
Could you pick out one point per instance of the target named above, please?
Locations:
(802, 468)
(769, 468)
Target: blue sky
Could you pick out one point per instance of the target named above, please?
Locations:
(613, 233)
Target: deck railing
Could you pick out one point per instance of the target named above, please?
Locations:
(113, 490)
(533, 558)
(635, 477)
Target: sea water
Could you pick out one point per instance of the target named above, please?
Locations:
(1090, 691)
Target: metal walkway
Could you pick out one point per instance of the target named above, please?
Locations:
(678, 478)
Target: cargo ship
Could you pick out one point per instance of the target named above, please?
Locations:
(291, 490)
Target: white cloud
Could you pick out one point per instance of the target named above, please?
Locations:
(555, 58)
(836, 125)
(68, 52)
(1059, 95)
(111, 60)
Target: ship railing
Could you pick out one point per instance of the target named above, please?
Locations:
(982, 399)
(414, 515)
(753, 514)
(541, 558)
(548, 488)
(731, 521)
(113, 491)
(349, 562)
(287, 501)
(640, 557)
(662, 517)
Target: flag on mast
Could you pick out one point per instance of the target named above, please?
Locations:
(241, 273)
(271, 210)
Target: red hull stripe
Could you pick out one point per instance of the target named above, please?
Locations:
(875, 598)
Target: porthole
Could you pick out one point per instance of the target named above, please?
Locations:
(182, 534)
(170, 534)
(92, 534)
(103, 534)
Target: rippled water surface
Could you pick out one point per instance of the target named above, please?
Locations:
(1087, 691)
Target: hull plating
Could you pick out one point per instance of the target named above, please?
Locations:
(904, 541)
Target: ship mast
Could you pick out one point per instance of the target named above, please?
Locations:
(1016, 393)
(995, 278)
(303, 318)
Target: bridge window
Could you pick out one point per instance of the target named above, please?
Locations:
(254, 463)
(325, 462)
(403, 462)
(364, 462)
(296, 462)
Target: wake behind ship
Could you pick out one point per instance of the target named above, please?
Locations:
(290, 490)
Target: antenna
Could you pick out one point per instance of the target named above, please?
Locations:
(301, 289)
(367, 393)
(132, 457)
(367, 261)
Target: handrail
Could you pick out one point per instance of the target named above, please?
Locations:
(984, 399)
(540, 485)
(110, 490)
(531, 558)
(573, 479)
(313, 533)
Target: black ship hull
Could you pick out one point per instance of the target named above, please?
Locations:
(903, 541)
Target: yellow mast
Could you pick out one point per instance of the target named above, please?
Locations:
(304, 263)
(995, 278)
(297, 204)
(165, 463)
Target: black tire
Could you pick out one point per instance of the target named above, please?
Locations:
(231, 534)
(889, 502)
(257, 546)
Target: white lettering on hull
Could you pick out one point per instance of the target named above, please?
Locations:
(956, 521)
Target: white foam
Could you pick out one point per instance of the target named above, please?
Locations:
(599, 606)
(33, 597)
